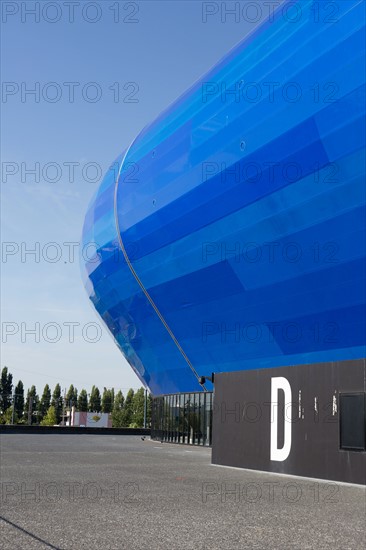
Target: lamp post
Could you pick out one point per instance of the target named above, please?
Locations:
(63, 408)
(12, 415)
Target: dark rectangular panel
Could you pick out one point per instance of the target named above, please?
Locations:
(352, 421)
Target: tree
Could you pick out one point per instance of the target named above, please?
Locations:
(44, 402)
(8, 416)
(117, 411)
(128, 408)
(107, 401)
(6, 388)
(138, 405)
(95, 401)
(50, 417)
(31, 404)
(72, 397)
(83, 401)
(56, 402)
(119, 401)
(19, 399)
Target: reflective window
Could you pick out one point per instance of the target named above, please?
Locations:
(183, 418)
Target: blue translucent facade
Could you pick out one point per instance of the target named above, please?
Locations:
(233, 235)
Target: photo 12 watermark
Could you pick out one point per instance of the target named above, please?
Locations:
(50, 332)
(69, 92)
(272, 492)
(270, 252)
(270, 332)
(66, 172)
(294, 411)
(269, 172)
(59, 11)
(69, 491)
(254, 11)
(68, 252)
(273, 92)
(51, 252)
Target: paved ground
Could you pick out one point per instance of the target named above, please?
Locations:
(118, 492)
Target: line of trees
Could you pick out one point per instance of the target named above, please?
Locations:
(49, 408)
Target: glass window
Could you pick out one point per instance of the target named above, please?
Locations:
(202, 418)
(182, 418)
(188, 416)
(166, 417)
(194, 418)
(208, 418)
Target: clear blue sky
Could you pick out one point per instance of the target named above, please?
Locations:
(163, 52)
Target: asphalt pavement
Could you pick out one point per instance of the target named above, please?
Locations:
(91, 492)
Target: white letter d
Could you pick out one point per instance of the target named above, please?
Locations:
(280, 383)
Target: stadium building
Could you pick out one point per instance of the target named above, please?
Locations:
(230, 264)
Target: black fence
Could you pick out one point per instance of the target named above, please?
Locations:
(183, 418)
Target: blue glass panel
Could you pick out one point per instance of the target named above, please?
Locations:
(233, 235)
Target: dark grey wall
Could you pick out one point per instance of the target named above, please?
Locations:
(242, 420)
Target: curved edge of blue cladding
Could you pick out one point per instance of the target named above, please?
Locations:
(232, 235)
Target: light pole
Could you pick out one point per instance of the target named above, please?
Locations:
(12, 415)
(63, 408)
